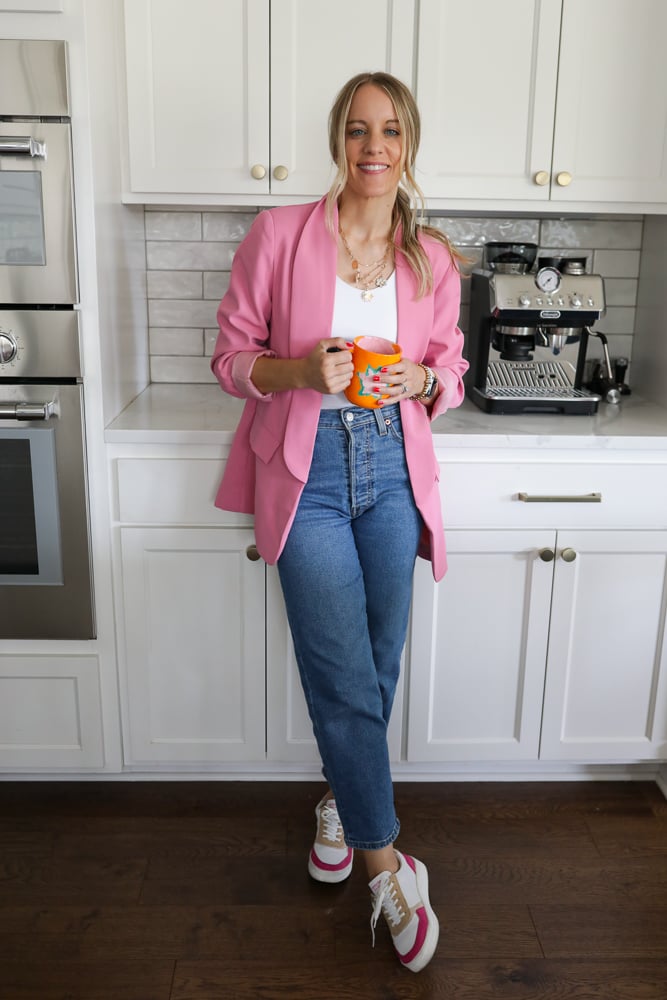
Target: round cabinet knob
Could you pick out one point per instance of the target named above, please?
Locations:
(541, 178)
(563, 178)
(8, 348)
(252, 554)
(568, 555)
(280, 173)
(258, 172)
(546, 555)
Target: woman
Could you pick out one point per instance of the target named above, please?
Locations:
(345, 497)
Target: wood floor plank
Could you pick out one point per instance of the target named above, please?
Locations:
(585, 930)
(61, 980)
(199, 891)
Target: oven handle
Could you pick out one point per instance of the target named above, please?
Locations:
(28, 411)
(19, 145)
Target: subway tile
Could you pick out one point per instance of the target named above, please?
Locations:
(173, 225)
(181, 341)
(617, 320)
(169, 369)
(190, 256)
(620, 291)
(619, 234)
(174, 284)
(227, 226)
(476, 232)
(210, 337)
(181, 313)
(616, 263)
(216, 284)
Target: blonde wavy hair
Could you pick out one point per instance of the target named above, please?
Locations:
(409, 206)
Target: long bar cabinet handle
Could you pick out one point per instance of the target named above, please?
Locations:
(19, 145)
(554, 498)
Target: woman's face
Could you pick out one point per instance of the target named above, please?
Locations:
(373, 144)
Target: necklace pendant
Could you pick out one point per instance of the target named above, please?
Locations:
(355, 265)
(367, 295)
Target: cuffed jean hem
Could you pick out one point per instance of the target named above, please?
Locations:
(360, 845)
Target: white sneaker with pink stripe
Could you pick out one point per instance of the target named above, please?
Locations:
(402, 897)
(330, 858)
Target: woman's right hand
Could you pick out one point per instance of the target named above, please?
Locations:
(328, 367)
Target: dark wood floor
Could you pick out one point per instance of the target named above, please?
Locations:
(199, 891)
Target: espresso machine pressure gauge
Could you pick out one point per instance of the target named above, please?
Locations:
(547, 280)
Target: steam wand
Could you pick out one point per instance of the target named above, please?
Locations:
(606, 386)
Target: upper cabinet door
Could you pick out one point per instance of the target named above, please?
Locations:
(314, 51)
(486, 85)
(198, 96)
(611, 114)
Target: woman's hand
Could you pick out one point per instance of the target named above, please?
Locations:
(404, 379)
(328, 368)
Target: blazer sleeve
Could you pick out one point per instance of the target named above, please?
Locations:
(444, 353)
(244, 315)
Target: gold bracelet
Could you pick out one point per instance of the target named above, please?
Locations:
(429, 379)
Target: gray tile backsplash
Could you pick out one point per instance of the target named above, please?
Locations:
(189, 255)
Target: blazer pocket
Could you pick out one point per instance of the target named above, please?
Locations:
(263, 442)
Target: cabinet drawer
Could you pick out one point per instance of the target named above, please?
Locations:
(172, 491)
(504, 494)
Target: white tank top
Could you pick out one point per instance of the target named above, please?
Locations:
(353, 317)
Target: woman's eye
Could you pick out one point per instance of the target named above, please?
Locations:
(356, 132)
(392, 131)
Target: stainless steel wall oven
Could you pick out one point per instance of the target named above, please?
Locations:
(45, 570)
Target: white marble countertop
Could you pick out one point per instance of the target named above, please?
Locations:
(203, 414)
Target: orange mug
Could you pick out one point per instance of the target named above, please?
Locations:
(369, 356)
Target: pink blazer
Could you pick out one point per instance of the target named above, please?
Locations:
(280, 303)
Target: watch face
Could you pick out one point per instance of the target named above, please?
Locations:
(547, 279)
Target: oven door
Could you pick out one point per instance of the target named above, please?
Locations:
(37, 241)
(45, 574)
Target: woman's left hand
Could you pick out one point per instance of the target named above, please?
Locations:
(400, 381)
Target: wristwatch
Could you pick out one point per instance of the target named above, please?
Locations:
(430, 383)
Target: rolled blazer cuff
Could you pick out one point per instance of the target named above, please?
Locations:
(450, 394)
(242, 367)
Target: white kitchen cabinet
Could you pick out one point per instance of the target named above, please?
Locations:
(50, 712)
(606, 681)
(478, 649)
(544, 640)
(233, 98)
(193, 609)
(551, 101)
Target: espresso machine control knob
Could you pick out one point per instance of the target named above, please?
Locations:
(524, 300)
(8, 347)
(575, 301)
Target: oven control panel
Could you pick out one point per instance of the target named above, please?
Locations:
(39, 343)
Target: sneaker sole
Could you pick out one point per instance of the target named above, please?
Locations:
(427, 950)
(330, 876)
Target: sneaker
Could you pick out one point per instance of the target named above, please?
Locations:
(330, 858)
(402, 897)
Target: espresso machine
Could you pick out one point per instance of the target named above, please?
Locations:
(528, 332)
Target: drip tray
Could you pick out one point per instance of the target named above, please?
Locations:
(533, 387)
(535, 379)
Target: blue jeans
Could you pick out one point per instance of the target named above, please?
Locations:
(346, 573)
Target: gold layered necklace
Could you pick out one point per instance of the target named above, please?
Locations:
(368, 276)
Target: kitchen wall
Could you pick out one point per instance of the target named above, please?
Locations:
(189, 254)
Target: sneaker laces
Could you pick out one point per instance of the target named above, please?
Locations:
(332, 829)
(386, 901)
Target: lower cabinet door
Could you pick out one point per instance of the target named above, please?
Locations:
(194, 665)
(478, 648)
(606, 688)
(50, 713)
